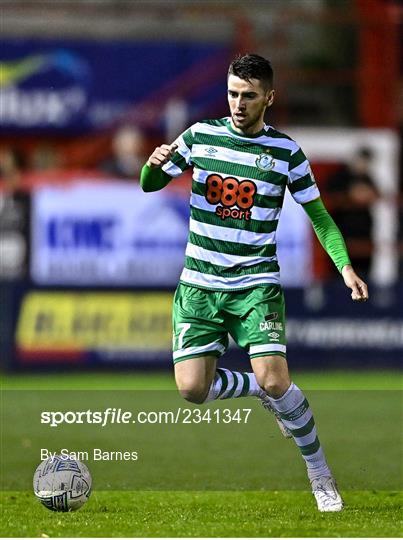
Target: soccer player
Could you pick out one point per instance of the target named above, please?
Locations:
(230, 283)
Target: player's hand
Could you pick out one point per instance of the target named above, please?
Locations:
(357, 285)
(161, 155)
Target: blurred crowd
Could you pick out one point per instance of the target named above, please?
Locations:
(352, 193)
(121, 159)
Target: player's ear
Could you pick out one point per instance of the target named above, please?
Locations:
(270, 98)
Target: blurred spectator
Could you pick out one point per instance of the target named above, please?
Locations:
(176, 118)
(14, 215)
(12, 165)
(128, 157)
(400, 203)
(45, 157)
(352, 194)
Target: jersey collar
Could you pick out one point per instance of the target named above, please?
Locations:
(245, 135)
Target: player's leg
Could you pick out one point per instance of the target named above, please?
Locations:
(276, 385)
(293, 408)
(199, 338)
(272, 374)
(194, 376)
(198, 381)
(255, 319)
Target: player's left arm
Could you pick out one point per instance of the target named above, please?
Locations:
(332, 240)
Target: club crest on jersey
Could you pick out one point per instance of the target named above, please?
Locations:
(265, 161)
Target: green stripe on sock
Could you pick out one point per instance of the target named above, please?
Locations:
(296, 413)
(310, 448)
(304, 430)
(232, 391)
(246, 385)
(224, 379)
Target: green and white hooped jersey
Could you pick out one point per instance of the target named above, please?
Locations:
(238, 189)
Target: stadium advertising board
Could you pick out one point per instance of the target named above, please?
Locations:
(325, 328)
(82, 327)
(107, 234)
(74, 327)
(75, 86)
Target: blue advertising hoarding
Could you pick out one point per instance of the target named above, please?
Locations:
(107, 234)
(80, 86)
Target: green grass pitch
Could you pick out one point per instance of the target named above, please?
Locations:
(242, 512)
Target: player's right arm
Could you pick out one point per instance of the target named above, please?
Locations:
(161, 155)
(152, 177)
(167, 161)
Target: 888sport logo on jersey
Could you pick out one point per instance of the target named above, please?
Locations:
(234, 198)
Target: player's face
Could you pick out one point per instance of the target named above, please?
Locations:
(248, 101)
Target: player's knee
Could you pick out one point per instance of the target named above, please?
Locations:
(275, 386)
(272, 375)
(192, 390)
(192, 395)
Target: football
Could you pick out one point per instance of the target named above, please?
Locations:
(62, 484)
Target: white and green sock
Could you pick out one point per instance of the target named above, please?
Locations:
(233, 384)
(296, 414)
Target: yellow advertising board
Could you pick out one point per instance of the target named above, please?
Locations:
(82, 321)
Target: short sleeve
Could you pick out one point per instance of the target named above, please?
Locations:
(301, 181)
(181, 160)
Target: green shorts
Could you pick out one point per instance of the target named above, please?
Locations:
(202, 320)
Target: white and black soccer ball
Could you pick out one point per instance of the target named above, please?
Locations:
(62, 484)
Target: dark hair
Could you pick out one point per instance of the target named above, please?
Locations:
(365, 153)
(252, 66)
